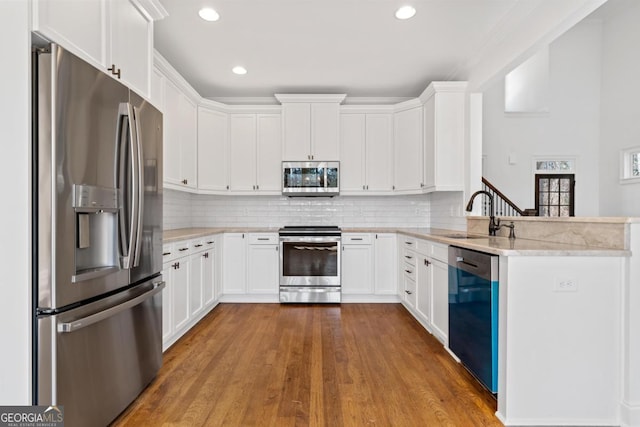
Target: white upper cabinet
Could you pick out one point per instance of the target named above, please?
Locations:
(408, 150)
(131, 49)
(242, 152)
(116, 35)
(269, 144)
(311, 127)
(78, 26)
(444, 121)
(212, 150)
(156, 93)
(180, 139)
(255, 146)
(366, 153)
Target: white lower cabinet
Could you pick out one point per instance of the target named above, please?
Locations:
(385, 272)
(440, 304)
(426, 284)
(251, 263)
(263, 264)
(357, 268)
(188, 270)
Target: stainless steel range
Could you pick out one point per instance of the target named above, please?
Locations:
(310, 264)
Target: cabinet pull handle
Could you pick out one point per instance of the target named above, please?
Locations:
(166, 253)
(367, 186)
(356, 238)
(227, 187)
(427, 263)
(211, 242)
(183, 249)
(408, 292)
(114, 71)
(408, 257)
(199, 245)
(206, 254)
(176, 265)
(409, 271)
(263, 238)
(408, 243)
(184, 181)
(257, 187)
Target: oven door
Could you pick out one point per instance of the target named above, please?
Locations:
(310, 261)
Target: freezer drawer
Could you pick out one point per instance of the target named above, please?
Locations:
(95, 359)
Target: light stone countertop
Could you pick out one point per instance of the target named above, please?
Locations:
(492, 245)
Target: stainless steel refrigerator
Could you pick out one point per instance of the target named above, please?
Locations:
(97, 231)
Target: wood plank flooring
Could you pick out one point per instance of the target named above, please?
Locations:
(310, 365)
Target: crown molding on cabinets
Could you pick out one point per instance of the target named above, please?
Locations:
(364, 109)
(153, 10)
(169, 72)
(441, 87)
(314, 98)
(407, 105)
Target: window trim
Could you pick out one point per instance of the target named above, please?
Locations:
(625, 165)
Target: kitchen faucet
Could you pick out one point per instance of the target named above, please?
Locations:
(494, 224)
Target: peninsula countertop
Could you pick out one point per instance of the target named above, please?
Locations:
(494, 245)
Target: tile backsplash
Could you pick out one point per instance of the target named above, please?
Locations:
(182, 210)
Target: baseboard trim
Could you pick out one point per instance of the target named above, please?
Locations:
(629, 414)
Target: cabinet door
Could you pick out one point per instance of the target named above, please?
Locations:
(440, 307)
(325, 131)
(408, 150)
(208, 277)
(430, 143)
(357, 269)
(188, 142)
(385, 264)
(157, 89)
(171, 143)
(180, 294)
(269, 161)
(423, 289)
(131, 45)
(235, 264)
(263, 269)
(195, 284)
(296, 125)
(242, 152)
(167, 307)
(379, 152)
(78, 26)
(212, 150)
(352, 152)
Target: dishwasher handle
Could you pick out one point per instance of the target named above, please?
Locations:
(109, 312)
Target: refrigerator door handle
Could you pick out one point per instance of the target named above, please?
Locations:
(78, 324)
(138, 185)
(128, 188)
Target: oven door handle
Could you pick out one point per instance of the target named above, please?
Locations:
(310, 239)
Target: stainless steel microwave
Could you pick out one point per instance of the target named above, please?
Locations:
(311, 178)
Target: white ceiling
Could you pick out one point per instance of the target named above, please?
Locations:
(355, 47)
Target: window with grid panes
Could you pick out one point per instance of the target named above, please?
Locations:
(555, 194)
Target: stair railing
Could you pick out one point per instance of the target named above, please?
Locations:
(501, 203)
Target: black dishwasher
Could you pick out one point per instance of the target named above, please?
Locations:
(473, 313)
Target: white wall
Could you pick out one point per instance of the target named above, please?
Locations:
(15, 287)
(571, 127)
(620, 121)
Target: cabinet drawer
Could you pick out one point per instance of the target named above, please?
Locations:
(263, 239)
(409, 257)
(182, 248)
(197, 245)
(408, 242)
(168, 252)
(356, 239)
(409, 271)
(440, 252)
(424, 247)
(209, 242)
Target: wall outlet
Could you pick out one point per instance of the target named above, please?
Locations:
(566, 284)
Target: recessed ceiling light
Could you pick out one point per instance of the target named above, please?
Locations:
(239, 70)
(405, 12)
(208, 14)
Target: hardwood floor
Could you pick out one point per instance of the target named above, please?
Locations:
(316, 365)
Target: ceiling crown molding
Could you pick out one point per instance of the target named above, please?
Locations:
(310, 97)
(439, 87)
